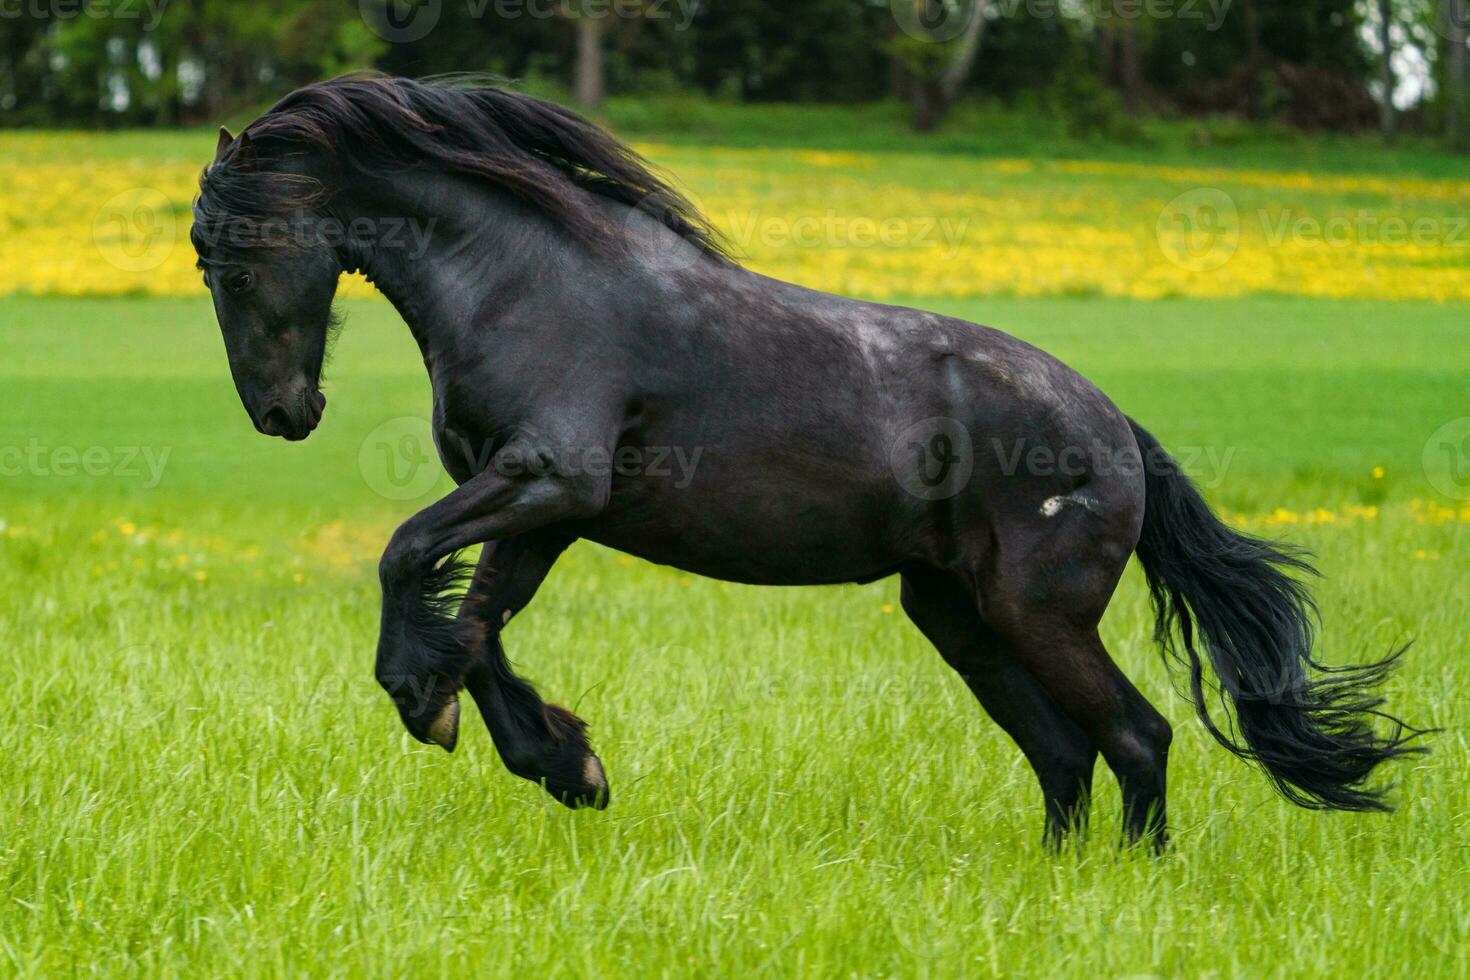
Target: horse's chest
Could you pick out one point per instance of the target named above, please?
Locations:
(462, 447)
(465, 434)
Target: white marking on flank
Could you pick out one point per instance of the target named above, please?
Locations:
(1052, 506)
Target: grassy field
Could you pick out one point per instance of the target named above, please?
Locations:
(205, 779)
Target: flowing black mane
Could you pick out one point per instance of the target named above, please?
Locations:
(375, 125)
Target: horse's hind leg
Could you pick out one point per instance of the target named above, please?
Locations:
(1074, 667)
(1059, 752)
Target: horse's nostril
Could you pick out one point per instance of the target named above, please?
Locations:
(316, 404)
(275, 422)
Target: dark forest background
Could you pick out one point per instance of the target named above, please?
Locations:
(1309, 64)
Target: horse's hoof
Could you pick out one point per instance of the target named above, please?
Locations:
(591, 789)
(444, 730)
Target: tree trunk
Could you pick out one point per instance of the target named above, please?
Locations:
(1385, 40)
(900, 79)
(590, 83)
(932, 97)
(1457, 78)
(1130, 69)
(927, 103)
(967, 52)
(1254, 60)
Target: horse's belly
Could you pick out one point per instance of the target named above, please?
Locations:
(755, 544)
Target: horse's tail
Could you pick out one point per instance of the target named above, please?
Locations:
(1307, 725)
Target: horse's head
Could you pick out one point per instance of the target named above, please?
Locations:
(272, 277)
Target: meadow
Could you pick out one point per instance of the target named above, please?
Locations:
(204, 778)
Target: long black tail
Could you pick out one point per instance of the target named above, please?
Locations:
(1309, 726)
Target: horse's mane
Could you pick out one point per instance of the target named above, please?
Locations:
(376, 125)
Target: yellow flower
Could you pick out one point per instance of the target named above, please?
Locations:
(845, 221)
(1378, 472)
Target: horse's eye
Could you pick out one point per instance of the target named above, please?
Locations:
(239, 282)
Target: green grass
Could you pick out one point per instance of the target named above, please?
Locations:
(204, 778)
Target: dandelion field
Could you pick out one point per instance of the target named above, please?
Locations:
(204, 778)
(879, 225)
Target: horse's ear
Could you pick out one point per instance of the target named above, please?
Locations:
(244, 151)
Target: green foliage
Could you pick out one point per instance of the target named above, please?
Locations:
(1091, 111)
(122, 64)
(151, 63)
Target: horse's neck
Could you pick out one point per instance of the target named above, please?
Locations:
(442, 248)
(464, 248)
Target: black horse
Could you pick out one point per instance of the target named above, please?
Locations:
(579, 319)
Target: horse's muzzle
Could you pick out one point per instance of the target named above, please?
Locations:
(293, 423)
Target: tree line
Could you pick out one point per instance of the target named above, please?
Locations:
(1341, 65)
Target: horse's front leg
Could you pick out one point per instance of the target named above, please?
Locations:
(542, 742)
(423, 651)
